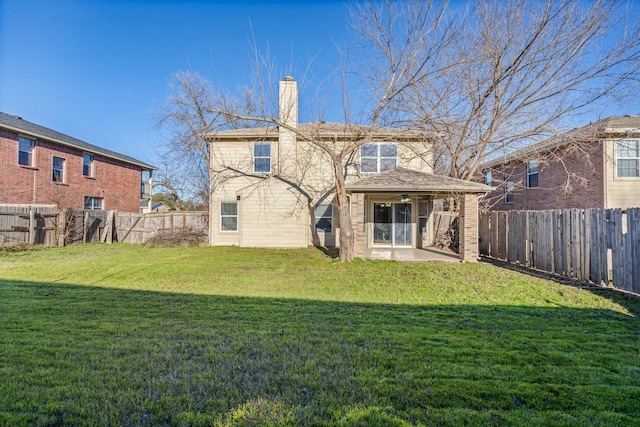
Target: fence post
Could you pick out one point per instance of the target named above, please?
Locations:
(32, 224)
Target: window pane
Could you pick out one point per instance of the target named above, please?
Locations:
(229, 223)
(92, 202)
(627, 168)
(369, 150)
(533, 166)
(323, 224)
(369, 165)
(228, 208)
(629, 148)
(262, 149)
(324, 215)
(508, 191)
(58, 165)
(323, 209)
(533, 180)
(387, 164)
(262, 165)
(25, 150)
(24, 158)
(87, 160)
(388, 150)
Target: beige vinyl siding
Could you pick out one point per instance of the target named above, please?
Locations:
(274, 215)
(416, 156)
(619, 192)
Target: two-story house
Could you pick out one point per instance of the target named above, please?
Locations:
(271, 187)
(593, 166)
(41, 166)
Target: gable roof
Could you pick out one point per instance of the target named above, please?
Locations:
(19, 125)
(610, 127)
(324, 130)
(410, 181)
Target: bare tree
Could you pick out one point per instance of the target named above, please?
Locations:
(195, 111)
(518, 72)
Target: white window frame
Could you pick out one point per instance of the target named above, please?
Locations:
(90, 203)
(378, 158)
(261, 156)
(323, 208)
(61, 178)
(533, 168)
(223, 216)
(26, 140)
(636, 158)
(86, 166)
(508, 191)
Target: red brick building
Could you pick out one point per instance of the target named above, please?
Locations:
(42, 166)
(594, 166)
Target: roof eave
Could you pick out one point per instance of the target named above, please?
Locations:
(417, 190)
(142, 165)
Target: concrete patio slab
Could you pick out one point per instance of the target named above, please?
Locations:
(411, 255)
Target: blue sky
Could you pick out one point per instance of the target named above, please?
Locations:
(98, 69)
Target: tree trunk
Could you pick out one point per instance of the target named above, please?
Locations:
(342, 203)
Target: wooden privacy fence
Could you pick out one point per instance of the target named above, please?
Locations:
(138, 228)
(110, 226)
(35, 224)
(600, 246)
(44, 224)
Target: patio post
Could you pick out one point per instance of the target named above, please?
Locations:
(468, 228)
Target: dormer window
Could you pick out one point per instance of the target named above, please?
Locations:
(378, 157)
(262, 157)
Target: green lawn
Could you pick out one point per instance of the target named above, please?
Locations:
(138, 335)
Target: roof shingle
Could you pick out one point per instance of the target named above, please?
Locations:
(18, 124)
(407, 180)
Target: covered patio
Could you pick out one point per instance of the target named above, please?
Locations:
(392, 214)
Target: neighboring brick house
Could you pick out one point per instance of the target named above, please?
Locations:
(41, 166)
(272, 188)
(594, 166)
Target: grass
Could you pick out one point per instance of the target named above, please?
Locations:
(137, 335)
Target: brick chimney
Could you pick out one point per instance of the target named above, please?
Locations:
(288, 109)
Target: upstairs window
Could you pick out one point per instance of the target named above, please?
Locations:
(532, 173)
(324, 217)
(488, 180)
(58, 169)
(508, 191)
(228, 216)
(375, 158)
(92, 203)
(87, 164)
(628, 158)
(262, 157)
(25, 151)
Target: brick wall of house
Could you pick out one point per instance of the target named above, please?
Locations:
(570, 177)
(118, 183)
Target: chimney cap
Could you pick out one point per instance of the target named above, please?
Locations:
(288, 79)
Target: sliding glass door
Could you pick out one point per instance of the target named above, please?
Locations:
(392, 224)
